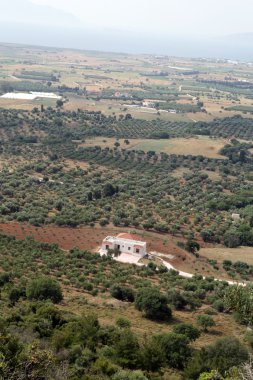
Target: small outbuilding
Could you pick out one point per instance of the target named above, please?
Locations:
(236, 217)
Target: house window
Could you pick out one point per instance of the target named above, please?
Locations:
(129, 248)
(118, 246)
(137, 250)
(107, 247)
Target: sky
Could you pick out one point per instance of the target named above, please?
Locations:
(170, 17)
(190, 28)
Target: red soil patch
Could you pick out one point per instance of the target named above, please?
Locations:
(86, 237)
(90, 239)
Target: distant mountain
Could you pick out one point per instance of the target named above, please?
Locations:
(23, 22)
(26, 12)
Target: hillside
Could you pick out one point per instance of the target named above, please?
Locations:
(99, 144)
(75, 315)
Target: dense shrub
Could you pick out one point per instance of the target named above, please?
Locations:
(225, 353)
(122, 293)
(4, 278)
(127, 349)
(153, 304)
(205, 321)
(176, 299)
(44, 288)
(176, 349)
(188, 330)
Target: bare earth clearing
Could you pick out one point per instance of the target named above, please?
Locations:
(244, 254)
(196, 146)
(90, 238)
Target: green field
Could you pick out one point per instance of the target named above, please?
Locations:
(240, 108)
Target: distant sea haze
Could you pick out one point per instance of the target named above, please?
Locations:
(238, 47)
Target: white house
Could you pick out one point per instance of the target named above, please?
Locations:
(236, 217)
(125, 243)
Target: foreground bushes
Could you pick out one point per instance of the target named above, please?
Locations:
(76, 347)
(225, 353)
(44, 288)
(43, 341)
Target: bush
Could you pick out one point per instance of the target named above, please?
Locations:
(122, 293)
(161, 227)
(127, 349)
(192, 300)
(176, 299)
(249, 338)
(153, 355)
(15, 294)
(176, 349)
(188, 330)
(123, 322)
(103, 222)
(4, 278)
(129, 375)
(232, 239)
(208, 236)
(46, 320)
(44, 288)
(239, 299)
(153, 303)
(104, 366)
(192, 246)
(213, 375)
(219, 306)
(225, 353)
(205, 321)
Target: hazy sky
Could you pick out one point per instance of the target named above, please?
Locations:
(193, 28)
(174, 17)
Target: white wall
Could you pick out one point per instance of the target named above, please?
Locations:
(126, 247)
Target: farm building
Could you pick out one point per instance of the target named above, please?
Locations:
(125, 243)
(236, 217)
